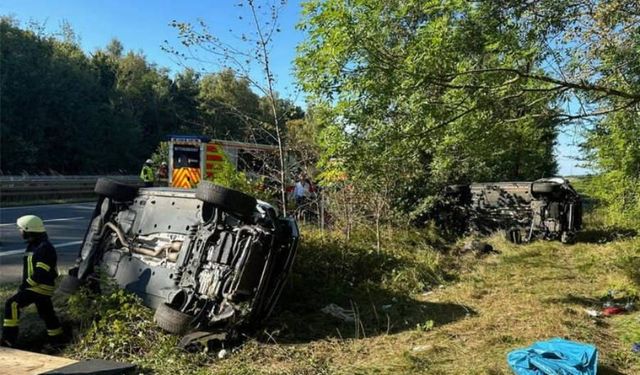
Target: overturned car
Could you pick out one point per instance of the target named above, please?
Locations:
(546, 208)
(207, 260)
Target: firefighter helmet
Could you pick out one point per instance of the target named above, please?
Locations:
(31, 223)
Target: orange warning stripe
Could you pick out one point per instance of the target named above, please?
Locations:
(185, 177)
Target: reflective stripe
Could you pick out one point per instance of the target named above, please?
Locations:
(54, 332)
(10, 323)
(29, 266)
(44, 266)
(45, 287)
(38, 289)
(31, 282)
(147, 174)
(13, 322)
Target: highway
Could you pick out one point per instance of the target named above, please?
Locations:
(65, 223)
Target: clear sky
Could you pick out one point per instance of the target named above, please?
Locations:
(143, 25)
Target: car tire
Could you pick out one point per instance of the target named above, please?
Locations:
(115, 190)
(171, 320)
(69, 285)
(542, 188)
(232, 201)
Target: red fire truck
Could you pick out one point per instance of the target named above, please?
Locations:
(195, 158)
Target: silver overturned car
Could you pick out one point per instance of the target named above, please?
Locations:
(547, 208)
(207, 260)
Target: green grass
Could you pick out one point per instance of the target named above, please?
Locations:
(420, 308)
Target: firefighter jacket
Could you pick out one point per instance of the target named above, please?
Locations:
(40, 268)
(147, 174)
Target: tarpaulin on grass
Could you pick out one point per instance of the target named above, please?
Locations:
(555, 357)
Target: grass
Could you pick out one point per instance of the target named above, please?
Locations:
(419, 308)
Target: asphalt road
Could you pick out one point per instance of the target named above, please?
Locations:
(65, 223)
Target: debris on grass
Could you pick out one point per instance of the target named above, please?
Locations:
(613, 310)
(593, 313)
(555, 356)
(222, 353)
(339, 313)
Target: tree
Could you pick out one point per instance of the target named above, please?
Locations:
(255, 50)
(392, 75)
(66, 112)
(228, 106)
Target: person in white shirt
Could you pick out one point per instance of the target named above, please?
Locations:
(301, 191)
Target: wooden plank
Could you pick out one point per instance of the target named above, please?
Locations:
(20, 362)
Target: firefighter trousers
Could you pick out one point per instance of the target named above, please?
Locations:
(23, 299)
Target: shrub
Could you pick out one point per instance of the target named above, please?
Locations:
(115, 325)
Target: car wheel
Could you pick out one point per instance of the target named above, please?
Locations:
(544, 187)
(69, 285)
(232, 201)
(171, 320)
(115, 190)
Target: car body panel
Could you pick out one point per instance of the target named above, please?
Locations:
(545, 208)
(169, 247)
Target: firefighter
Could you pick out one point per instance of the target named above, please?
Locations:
(38, 278)
(147, 174)
(163, 171)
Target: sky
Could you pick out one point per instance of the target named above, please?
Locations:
(143, 25)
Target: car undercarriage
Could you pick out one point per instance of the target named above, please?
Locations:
(207, 260)
(546, 209)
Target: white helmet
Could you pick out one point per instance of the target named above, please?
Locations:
(31, 223)
(149, 161)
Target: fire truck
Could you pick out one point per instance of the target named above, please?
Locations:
(196, 158)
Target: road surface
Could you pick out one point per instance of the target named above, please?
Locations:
(65, 223)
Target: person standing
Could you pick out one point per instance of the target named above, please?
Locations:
(301, 191)
(146, 174)
(163, 171)
(38, 279)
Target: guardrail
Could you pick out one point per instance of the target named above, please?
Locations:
(36, 188)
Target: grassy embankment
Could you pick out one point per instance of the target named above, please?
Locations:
(420, 308)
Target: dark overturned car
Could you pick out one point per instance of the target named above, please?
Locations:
(209, 261)
(545, 209)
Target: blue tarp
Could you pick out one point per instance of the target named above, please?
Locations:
(555, 357)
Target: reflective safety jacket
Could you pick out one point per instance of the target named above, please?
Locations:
(39, 271)
(147, 174)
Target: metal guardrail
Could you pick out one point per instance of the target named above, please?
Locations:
(30, 188)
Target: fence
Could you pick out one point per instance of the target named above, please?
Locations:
(35, 188)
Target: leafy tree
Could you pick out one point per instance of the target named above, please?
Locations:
(392, 75)
(242, 58)
(69, 112)
(184, 92)
(228, 105)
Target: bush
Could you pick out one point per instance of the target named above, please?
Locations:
(379, 285)
(613, 198)
(115, 325)
(629, 261)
